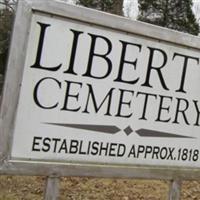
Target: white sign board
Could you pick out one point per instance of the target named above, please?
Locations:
(97, 95)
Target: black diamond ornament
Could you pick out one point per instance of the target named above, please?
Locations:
(128, 130)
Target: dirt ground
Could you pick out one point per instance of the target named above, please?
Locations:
(32, 188)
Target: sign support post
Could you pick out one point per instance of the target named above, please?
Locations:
(175, 190)
(52, 188)
(115, 98)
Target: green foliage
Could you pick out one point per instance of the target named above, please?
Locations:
(111, 6)
(6, 18)
(103, 5)
(174, 14)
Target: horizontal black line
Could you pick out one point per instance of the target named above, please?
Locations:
(90, 127)
(153, 133)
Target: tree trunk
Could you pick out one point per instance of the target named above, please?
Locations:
(117, 7)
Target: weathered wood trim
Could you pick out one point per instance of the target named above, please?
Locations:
(12, 89)
(14, 76)
(94, 170)
(115, 22)
(52, 188)
(175, 190)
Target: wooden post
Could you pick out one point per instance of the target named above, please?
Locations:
(175, 190)
(52, 188)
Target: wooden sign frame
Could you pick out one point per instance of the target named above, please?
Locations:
(11, 93)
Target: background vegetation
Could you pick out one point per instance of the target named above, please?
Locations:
(175, 14)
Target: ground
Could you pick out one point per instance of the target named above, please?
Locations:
(31, 188)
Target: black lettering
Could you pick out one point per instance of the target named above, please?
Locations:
(161, 108)
(148, 150)
(185, 64)
(46, 145)
(145, 103)
(63, 146)
(170, 155)
(103, 148)
(55, 140)
(121, 150)
(89, 146)
(37, 64)
(73, 52)
(35, 93)
(157, 69)
(81, 152)
(141, 149)
(73, 147)
(104, 56)
(93, 99)
(36, 143)
(122, 102)
(182, 111)
(68, 95)
(163, 153)
(112, 149)
(123, 61)
(156, 151)
(95, 149)
(198, 113)
(132, 152)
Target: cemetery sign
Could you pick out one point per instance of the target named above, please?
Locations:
(97, 91)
